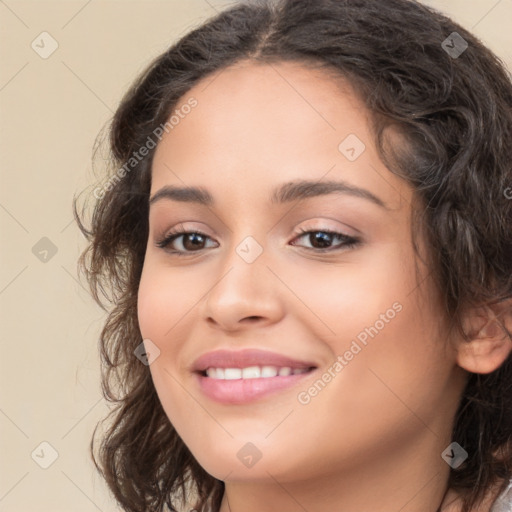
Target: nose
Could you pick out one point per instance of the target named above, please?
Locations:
(244, 294)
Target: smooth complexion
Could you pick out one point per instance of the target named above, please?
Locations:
(373, 438)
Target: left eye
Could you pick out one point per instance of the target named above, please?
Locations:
(320, 240)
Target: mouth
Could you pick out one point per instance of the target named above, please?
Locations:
(253, 372)
(240, 377)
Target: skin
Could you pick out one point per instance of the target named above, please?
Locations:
(372, 438)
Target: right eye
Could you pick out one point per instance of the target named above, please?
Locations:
(192, 241)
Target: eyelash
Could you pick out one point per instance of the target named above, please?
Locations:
(349, 241)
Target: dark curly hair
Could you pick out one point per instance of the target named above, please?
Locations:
(453, 114)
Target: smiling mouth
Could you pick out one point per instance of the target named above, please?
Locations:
(253, 372)
(238, 386)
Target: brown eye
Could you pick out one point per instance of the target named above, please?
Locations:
(322, 240)
(192, 241)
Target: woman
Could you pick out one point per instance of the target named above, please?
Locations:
(306, 237)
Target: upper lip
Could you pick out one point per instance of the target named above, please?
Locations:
(245, 358)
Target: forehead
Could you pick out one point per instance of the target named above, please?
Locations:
(256, 124)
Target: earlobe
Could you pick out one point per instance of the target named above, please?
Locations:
(489, 343)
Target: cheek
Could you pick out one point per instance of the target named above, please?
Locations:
(384, 397)
(152, 303)
(165, 298)
(376, 316)
(159, 309)
(395, 376)
(347, 299)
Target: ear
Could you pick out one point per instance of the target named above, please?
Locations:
(489, 343)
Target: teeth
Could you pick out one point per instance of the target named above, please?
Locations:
(269, 371)
(231, 374)
(253, 372)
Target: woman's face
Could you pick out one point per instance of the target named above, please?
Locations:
(384, 380)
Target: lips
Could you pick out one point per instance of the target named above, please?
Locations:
(247, 358)
(239, 377)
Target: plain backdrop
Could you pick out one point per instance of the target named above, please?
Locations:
(51, 109)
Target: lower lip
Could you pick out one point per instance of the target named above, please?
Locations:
(241, 391)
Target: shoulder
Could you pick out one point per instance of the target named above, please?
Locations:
(504, 502)
(493, 502)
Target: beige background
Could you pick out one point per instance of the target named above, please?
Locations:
(50, 112)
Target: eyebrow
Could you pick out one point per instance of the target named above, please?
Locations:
(287, 192)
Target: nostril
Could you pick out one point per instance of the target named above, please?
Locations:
(252, 318)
